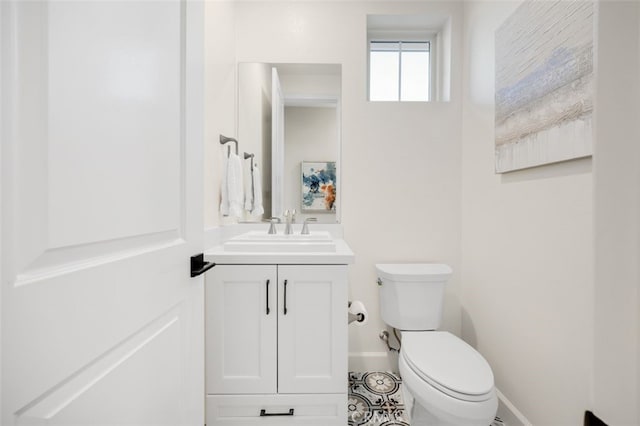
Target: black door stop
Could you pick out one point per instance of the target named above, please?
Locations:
(199, 266)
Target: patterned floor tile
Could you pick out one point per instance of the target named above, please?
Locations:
(375, 399)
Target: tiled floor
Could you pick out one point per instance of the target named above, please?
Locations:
(375, 399)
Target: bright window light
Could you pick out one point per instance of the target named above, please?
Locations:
(399, 71)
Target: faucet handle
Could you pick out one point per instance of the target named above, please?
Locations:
(272, 226)
(293, 216)
(305, 227)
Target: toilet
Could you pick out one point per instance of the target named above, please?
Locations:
(446, 381)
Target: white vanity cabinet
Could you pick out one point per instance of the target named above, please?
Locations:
(276, 345)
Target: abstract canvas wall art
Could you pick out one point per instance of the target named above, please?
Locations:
(318, 186)
(544, 84)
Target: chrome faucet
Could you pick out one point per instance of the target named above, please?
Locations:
(290, 217)
(272, 227)
(305, 227)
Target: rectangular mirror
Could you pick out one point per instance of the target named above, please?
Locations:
(289, 119)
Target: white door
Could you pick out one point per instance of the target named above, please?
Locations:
(101, 202)
(242, 320)
(277, 145)
(312, 329)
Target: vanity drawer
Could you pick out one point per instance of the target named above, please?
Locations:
(236, 410)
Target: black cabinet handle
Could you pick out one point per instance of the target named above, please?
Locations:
(199, 266)
(263, 413)
(285, 297)
(268, 310)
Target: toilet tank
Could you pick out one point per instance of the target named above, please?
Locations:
(411, 294)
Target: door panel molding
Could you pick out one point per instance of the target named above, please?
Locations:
(51, 402)
(60, 261)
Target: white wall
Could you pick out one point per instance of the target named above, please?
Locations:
(527, 253)
(401, 162)
(220, 99)
(617, 213)
(549, 255)
(311, 84)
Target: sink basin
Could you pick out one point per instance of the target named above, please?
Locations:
(259, 236)
(260, 241)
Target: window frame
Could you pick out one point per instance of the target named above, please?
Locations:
(404, 37)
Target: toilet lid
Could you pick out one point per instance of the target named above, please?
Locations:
(448, 364)
(413, 271)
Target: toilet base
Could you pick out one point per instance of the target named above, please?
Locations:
(421, 417)
(418, 415)
(432, 408)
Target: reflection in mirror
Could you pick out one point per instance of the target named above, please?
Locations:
(286, 128)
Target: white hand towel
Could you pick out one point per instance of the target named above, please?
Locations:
(236, 189)
(224, 189)
(232, 189)
(248, 190)
(253, 193)
(257, 210)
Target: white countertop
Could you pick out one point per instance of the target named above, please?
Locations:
(216, 237)
(342, 256)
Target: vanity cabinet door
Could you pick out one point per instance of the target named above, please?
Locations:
(312, 329)
(241, 329)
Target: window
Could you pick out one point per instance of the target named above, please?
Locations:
(400, 70)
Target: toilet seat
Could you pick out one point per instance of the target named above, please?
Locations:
(448, 364)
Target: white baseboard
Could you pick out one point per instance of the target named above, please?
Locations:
(508, 412)
(372, 361)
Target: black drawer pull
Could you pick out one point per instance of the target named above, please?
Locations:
(263, 413)
(285, 297)
(268, 310)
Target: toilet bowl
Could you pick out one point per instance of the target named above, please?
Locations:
(451, 383)
(446, 381)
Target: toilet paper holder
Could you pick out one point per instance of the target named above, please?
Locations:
(359, 317)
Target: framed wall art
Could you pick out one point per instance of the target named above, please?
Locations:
(544, 84)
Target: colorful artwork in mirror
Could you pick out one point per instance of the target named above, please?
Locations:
(318, 186)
